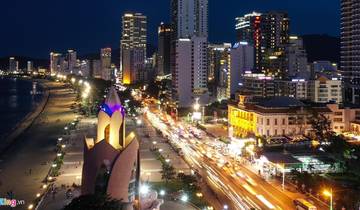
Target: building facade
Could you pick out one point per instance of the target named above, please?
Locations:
(272, 117)
(190, 32)
(269, 34)
(344, 116)
(133, 46)
(297, 63)
(242, 60)
(164, 43)
(219, 69)
(105, 59)
(325, 89)
(350, 49)
(55, 62)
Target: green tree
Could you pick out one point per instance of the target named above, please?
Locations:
(168, 172)
(321, 127)
(95, 202)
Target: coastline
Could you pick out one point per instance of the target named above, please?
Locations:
(26, 161)
(28, 120)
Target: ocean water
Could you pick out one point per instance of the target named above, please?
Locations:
(17, 99)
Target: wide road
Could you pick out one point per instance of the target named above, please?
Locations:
(241, 186)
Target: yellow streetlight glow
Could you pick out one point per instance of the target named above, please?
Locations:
(327, 193)
(31, 206)
(38, 195)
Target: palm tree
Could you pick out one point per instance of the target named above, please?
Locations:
(168, 172)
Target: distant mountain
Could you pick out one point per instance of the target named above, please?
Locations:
(38, 62)
(322, 47)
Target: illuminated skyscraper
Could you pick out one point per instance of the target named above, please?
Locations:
(13, 64)
(219, 65)
(133, 46)
(248, 29)
(269, 34)
(55, 62)
(29, 67)
(350, 49)
(72, 61)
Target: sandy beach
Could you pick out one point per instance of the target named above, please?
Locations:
(25, 163)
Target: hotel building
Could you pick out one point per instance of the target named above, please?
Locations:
(350, 49)
(274, 116)
(133, 46)
(189, 57)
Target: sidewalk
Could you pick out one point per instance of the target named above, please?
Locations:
(70, 173)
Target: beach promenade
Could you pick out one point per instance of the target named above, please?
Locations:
(24, 165)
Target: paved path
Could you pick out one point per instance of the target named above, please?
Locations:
(70, 172)
(25, 164)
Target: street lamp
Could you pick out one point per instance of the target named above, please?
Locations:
(162, 193)
(329, 194)
(144, 189)
(184, 198)
(226, 207)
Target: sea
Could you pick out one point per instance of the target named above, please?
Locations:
(18, 98)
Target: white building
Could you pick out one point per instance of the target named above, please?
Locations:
(191, 18)
(242, 60)
(324, 89)
(190, 22)
(72, 61)
(182, 84)
(343, 117)
(297, 58)
(29, 67)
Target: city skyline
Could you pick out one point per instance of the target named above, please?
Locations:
(100, 23)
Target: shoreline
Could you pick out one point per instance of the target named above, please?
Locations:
(27, 160)
(26, 122)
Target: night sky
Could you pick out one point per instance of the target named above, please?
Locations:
(35, 27)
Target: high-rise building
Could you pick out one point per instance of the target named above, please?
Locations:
(95, 68)
(84, 68)
(189, 51)
(189, 18)
(248, 29)
(29, 67)
(55, 63)
(133, 46)
(164, 41)
(13, 64)
(296, 59)
(219, 65)
(275, 37)
(350, 49)
(242, 60)
(269, 34)
(72, 61)
(105, 58)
